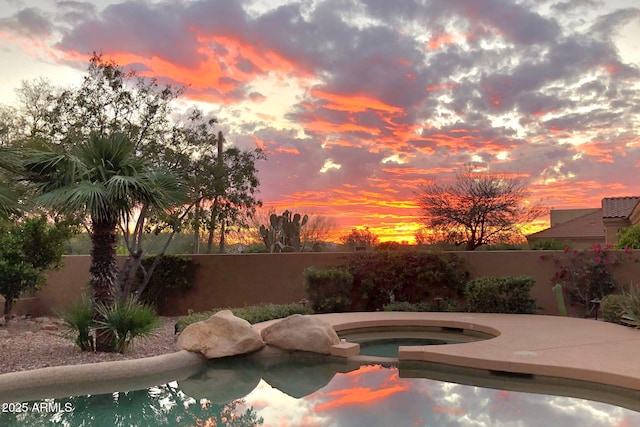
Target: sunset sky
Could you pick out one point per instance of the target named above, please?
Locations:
(357, 103)
(376, 396)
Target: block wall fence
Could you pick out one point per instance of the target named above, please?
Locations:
(236, 280)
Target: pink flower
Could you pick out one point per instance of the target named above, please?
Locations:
(597, 260)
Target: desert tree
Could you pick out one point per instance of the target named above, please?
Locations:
(477, 208)
(360, 238)
(221, 180)
(318, 230)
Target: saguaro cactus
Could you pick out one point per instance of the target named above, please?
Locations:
(558, 290)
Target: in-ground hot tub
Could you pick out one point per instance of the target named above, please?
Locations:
(383, 341)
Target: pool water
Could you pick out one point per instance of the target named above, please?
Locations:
(388, 347)
(322, 392)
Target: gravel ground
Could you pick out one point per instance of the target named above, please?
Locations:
(37, 343)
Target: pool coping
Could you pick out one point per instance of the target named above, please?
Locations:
(553, 346)
(98, 378)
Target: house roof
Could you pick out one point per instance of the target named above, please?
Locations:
(618, 207)
(585, 226)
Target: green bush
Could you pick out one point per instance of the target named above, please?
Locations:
(407, 306)
(124, 320)
(449, 305)
(631, 306)
(501, 295)
(382, 277)
(585, 274)
(78, 323)
(252, 314)
(127, 320)
(612, 308)
(550, 245)
(504, 247)
(329, 290)
(173, 273)
(629, 238)
(28, 249)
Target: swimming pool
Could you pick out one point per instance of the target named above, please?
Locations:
(306, 390)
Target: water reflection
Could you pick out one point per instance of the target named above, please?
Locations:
(297, 390)
(165, 405)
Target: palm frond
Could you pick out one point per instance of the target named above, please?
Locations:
(9, 160)
(8, 202)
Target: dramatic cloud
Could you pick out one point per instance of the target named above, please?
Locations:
(377, 396)
(357, 102)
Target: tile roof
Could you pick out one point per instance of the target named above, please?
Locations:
(618, 207)
(589, 225)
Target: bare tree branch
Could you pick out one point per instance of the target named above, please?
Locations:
(476, 209)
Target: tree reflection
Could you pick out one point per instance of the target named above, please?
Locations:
(157, 406)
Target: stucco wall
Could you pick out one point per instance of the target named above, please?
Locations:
(238, 280)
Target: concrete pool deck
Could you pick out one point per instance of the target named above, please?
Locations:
(577, 349)
(554, 346)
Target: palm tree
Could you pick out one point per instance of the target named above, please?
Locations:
(8, 199)
(103, 180)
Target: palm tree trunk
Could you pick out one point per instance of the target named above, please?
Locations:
(103, 274)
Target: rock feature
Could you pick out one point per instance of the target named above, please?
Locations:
(223, 381)
(221, 335)
(301, 332)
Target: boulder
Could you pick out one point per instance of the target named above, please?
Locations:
(223, 380)
(301, 332)
(221, 335)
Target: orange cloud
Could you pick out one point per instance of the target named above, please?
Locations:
(440, 40)
(353, 103)
(599, 149)
(324, 128)
(441, 87)
(359, 396)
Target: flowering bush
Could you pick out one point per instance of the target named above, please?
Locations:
(584, 274)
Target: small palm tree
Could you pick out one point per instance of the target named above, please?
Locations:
(102, 179)
(8, 199)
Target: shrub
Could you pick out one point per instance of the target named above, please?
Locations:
(407, 306)
(504, 247)
(173, 273)
(28, 248)
(629, 238)
(612, 308)
(550, 245)
(386, 276)
(501, 295)
(127, 320)
(631, 306)
(329, 290)
(78, 323)
(124, 320)
(252, 314)
(446, 304)
(585, 275)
